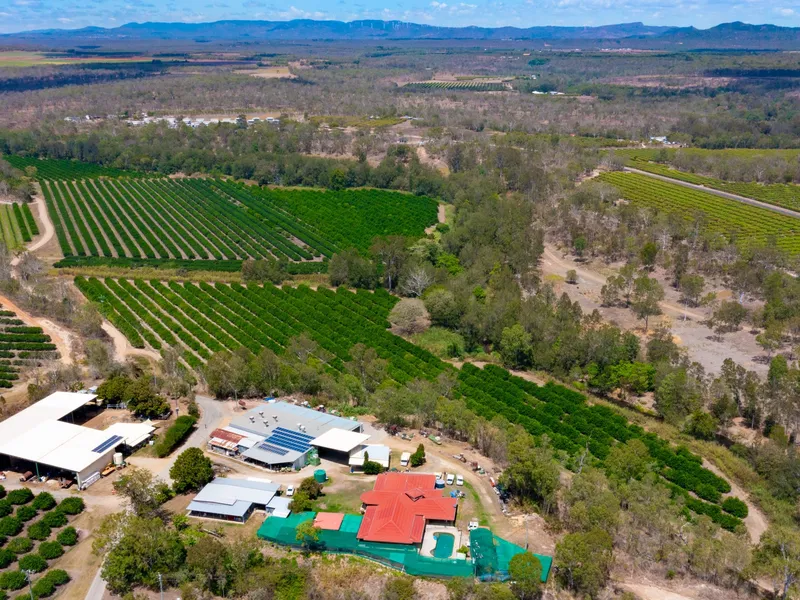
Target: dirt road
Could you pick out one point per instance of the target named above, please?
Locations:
(755, 521)
(701, 188)
(557, 264)
(123, 348)
(685, 323)
(47, 223)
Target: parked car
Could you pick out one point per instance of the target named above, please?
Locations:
(405, 457)
(450, 479)
(459, 480)
(290, 490)
(472, 525)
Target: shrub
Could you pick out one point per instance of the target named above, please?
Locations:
(6, 558)
(39, 531)
(55, 519)
(20, 545)
(5, 508)
(57, 576)
(67, 537)
(3, 595)
(174, 435)
(43, 588)
(13, 580)
(50, 550)
(32, 562)
(44, 501)
(372, 468)
(2, 492)
(25, 513)
(20, 496)
(72, 505)
(3, 540)
(10, 526)
(735, 507)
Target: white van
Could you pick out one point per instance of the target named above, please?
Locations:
(450, 478)
(404, 458)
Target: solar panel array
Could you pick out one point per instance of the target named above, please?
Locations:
(274, 449)
(293, 440)
(112, 441)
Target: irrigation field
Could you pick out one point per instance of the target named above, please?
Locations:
(205, 318)
(747, 225)
(21, 347)
(786, 195)
(17, 225)
(212, 220)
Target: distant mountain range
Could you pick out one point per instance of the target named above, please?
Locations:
(727, 35)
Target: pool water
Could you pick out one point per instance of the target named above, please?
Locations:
(444, 544)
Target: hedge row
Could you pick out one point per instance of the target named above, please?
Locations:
(174, 435)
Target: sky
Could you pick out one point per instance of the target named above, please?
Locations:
(20, 15)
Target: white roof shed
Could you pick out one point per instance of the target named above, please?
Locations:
(340, 440)
(377, 453)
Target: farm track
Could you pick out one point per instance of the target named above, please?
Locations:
(47, 222)
(149, 220)
(80, 204)
(141, 241)
(181, 237)
(189, 227)
(118, 243)
(119, 223)
(59, 214)
(729, 196)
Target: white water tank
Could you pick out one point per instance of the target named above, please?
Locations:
(118, 459)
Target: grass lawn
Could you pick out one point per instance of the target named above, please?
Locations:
(345, 497)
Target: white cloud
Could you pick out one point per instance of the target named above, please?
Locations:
(786, 12)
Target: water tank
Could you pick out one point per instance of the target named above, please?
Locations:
(320, 476)
(118, 459)
(439, 484)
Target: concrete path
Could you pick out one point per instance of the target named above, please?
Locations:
(701, 188)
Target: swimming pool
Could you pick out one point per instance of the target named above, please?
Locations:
(444, 544)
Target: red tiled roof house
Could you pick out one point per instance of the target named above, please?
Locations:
(399, 506)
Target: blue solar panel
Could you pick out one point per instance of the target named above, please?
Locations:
(112, 441)
(294, 434)
(286, 442)
(273, 449)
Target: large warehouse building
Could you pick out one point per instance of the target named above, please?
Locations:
(277, 435)
(41, 439)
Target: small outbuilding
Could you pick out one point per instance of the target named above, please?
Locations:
(377, 453)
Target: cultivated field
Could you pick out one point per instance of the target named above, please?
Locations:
(17, 225)
(786, 195)
(21, 347)
(53, 168)
(472, 86)
(32, 59)
(747, 225)
(208, 318)
(211, 220)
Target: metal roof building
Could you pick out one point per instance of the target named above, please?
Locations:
(286, 432)
(377, 453)
(37, 439)
(232, 499)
